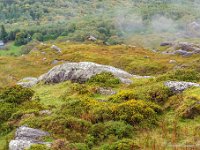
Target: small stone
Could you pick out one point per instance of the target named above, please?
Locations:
(56, 48)
(172, 61)
(105, 91)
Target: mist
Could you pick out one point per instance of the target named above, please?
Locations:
(168, 20)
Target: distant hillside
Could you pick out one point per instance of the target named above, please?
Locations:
(110, 21)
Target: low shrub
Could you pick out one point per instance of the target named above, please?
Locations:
(132, 111)
(137, 111)
(38, 147)
(189, 108)
(156, 92)
(70, 127)
(79, 146)
(79, 89)
(119, 129)
(16, 94)
(30, 107)
(181, 75)
(104, 79)
(60, 144)
(122, 96)
(6, 111)
(124, 144)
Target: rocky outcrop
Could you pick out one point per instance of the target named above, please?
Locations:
(25, 137)
(28, 82)
(182, 48)
(178, 86)
(78, 72)
(81, 72)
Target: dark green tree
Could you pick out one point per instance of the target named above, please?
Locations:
(3, 34)
(22, 38)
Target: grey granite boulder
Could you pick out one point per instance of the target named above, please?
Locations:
(81, 72)
(25, 137)
(179, 86)
(28, 82)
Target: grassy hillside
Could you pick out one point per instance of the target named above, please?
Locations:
(142, 115)
(135, 60)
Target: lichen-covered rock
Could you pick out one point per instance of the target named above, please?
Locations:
(25, 137)
(179, 86)
(81, 72)
(28, 82)
(19, 144)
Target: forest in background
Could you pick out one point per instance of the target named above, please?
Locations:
(111, 22)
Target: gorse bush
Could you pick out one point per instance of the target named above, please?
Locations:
(104, 79)
(132, 111)
(136, 111)
(79, 89)
(122, 96)
(16, 94)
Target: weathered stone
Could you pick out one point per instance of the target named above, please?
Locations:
(25, 137)
(172, 61)
(92, 38)
(183, 52)
(166, 44)
(56, 48)
(45, 112)
(28, 82)
(106, 91)
(179, 86)
(81, 72)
